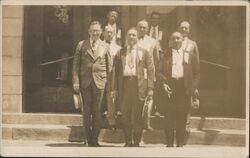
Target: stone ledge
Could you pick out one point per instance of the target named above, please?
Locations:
(76, 120)
(75, 133)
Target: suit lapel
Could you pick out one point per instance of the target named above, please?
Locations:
(137, 58)
(97, 51)
(123, 57)
(89, 49)
(169, 63)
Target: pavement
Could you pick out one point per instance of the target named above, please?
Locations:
(34, 148)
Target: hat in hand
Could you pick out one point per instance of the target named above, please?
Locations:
(195, 103)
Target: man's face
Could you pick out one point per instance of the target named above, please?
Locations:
(112, 17)
(184, 28)
(142, 28)
(176, 40)
(95, 31)
(132, 37)
(108, 33)
(155, 19)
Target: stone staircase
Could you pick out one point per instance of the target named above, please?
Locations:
(67, 127)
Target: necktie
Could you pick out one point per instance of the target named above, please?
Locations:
(130, 59)
(154, 33)
(93, 45)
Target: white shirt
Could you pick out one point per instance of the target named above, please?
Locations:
(127, 70)
(177, 63)
(115, 31)
(113, 49)
(147, 43)
(156, 32)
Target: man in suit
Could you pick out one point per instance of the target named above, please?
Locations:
(112, 21)
(179, 71)
(157, 32)
(89, 78)
(111, 110)
(133, 86)
(189, 46)
(147, 42)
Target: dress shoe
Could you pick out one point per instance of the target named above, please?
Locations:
(128, 145)
(170, 145)
(94, 145)
(136, 145)
(179, 145)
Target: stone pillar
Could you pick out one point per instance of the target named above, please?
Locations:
(181, 14)
(192, 18)
(12, 58)
(78, 25)
(141, 13)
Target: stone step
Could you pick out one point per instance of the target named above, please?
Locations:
(158, 123)
(226, 137)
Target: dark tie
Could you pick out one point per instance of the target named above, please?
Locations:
(93, 45)
(108, 42)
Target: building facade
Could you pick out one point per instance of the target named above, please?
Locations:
(36, 34)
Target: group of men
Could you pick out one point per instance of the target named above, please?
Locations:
(148, 63)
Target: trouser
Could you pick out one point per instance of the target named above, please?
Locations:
(131, 111)
(92, 106)
(159, 97)
(176, 113)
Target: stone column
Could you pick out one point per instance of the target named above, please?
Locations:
(12, 58)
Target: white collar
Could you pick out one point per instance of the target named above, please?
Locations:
(179, 51)
(91, 40)
(133, 47)
(114, 25)
(185, 39)
(156, 27)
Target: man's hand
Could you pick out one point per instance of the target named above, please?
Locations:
(195, 94)
(150, 93)
(113, 94)
(167, 89)
(76, 88)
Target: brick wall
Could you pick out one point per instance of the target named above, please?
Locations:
(12, 58)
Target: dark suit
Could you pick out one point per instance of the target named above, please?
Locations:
(89, 70)
(133, 90)
(164, 39)
(182, 89)
(190, 46)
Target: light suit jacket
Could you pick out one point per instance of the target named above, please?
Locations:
(90, 65)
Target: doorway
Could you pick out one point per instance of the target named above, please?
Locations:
(51, 33)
